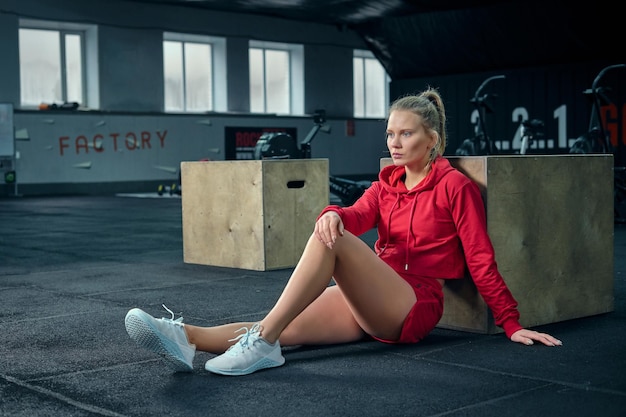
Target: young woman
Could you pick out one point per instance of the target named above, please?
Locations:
(431, 225)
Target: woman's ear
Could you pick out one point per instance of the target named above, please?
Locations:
(434, 139)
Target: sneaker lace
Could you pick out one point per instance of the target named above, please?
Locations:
(178, 320)
(243, 340)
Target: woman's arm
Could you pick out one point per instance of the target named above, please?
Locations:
(468, 211)
(363, 215)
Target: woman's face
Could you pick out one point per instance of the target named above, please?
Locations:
(408, 141)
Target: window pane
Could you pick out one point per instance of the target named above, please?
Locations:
(375, 87)
(74, 68)
(257, 96)
(198, 77)
(359, 92)
(173, 73)
(277, 81)
(40, 66)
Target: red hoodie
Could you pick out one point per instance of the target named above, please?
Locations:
(434, 230)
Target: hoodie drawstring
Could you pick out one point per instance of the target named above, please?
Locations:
(395, 203)
(409, 233)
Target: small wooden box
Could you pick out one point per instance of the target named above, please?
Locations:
(255, 215)
(550, 219)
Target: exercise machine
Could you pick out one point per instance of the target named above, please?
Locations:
(280, 145)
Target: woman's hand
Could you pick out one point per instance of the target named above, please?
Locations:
(328, 228)
(529, 337)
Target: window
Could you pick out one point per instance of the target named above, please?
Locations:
(371, 86)
(276, 78)
(55, 59)
(193, 67)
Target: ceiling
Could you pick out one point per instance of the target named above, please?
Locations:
(421, 38)
(336, 12)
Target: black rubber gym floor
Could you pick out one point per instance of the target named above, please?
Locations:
(71, 267)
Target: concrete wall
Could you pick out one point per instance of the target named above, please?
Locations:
(131, 76)
(96, 152)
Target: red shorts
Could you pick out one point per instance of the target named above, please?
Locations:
(423, 317)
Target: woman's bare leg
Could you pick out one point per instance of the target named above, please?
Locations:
(328, 320)
(377, 297)
(369, 297)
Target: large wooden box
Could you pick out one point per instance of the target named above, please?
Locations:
(255, 215)
(550, 219)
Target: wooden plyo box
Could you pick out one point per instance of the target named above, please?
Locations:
(255, 215)
(550, 219)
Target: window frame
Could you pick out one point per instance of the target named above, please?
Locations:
(296, 73)
(89, 61)
(363, 55)
(218, 69)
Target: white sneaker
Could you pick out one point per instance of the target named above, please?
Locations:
(164, 336)
(250, 354)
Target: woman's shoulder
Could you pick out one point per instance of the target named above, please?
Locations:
(455, 177)
(456, 181)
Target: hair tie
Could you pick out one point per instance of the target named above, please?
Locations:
(433, 100)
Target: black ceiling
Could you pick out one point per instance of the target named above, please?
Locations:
(421, 38)
(337, 12)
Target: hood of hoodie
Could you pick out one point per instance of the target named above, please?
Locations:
(391, 177)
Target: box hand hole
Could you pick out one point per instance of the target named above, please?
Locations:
(295, 184)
